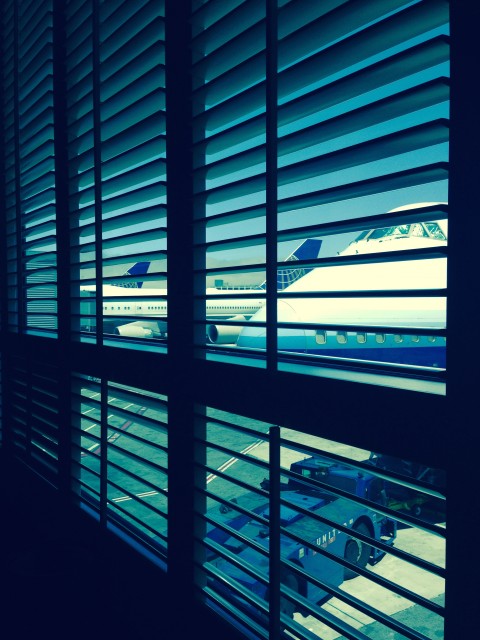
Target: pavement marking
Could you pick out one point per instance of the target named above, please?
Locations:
(123, 427)
(232, 461)
(210, 477)
(145, 494)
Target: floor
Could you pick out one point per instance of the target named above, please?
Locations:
(63, 587)
(43, 582)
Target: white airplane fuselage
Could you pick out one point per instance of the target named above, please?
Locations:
(143, 312)
(382, 315)
(153, 302)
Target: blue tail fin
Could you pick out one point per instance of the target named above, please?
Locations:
(138, 269)
(309, 249)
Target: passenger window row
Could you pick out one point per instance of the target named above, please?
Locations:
(343, 337)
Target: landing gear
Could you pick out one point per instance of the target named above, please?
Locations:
(356, 551)
(286, 605)
(416, 510)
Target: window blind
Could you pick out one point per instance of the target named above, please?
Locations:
(319, 162)
(229, 105)
(120, 458)
(116, 95)
(361, 144)
(30, 180)
(33, 395)
(326, 494)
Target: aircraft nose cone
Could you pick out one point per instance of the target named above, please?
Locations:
(292, 340)
(288, 339)
(253, 337)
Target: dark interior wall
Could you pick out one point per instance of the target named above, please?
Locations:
(64, 576)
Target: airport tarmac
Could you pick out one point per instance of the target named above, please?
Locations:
(132, 492)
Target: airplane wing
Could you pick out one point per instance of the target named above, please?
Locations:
(142, 329)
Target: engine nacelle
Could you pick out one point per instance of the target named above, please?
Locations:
(133, 331)
(224, 334)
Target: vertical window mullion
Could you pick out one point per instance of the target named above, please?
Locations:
(180, 302)
(271, 182)
(462, 381)
(97, 171)
(103, 452)
(61, 169)
(274, 524)
(63, 239)
(21, 305)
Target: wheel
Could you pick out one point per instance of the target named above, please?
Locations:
(416, 510)
(286, 605)
(356, 551)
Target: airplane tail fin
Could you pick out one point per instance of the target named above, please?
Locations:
(138, 269)
(309, 249)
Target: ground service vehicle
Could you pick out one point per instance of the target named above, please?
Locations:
(239, 544)
(401, 497)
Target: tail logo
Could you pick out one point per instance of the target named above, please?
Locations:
(138, 269)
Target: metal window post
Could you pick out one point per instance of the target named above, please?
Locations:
(271, 182)
(275, 561)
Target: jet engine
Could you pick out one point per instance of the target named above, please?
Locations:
(133, 331)
(223, 333)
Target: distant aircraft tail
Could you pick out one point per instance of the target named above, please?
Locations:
(308, 250)
(138, 269)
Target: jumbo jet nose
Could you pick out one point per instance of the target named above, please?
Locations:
(254, 337)
(288, 339)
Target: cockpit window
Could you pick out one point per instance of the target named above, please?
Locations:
(418, 229)
(435, 231)
(382, 233)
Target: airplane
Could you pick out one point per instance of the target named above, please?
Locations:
(122, 301)
(395, 327)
